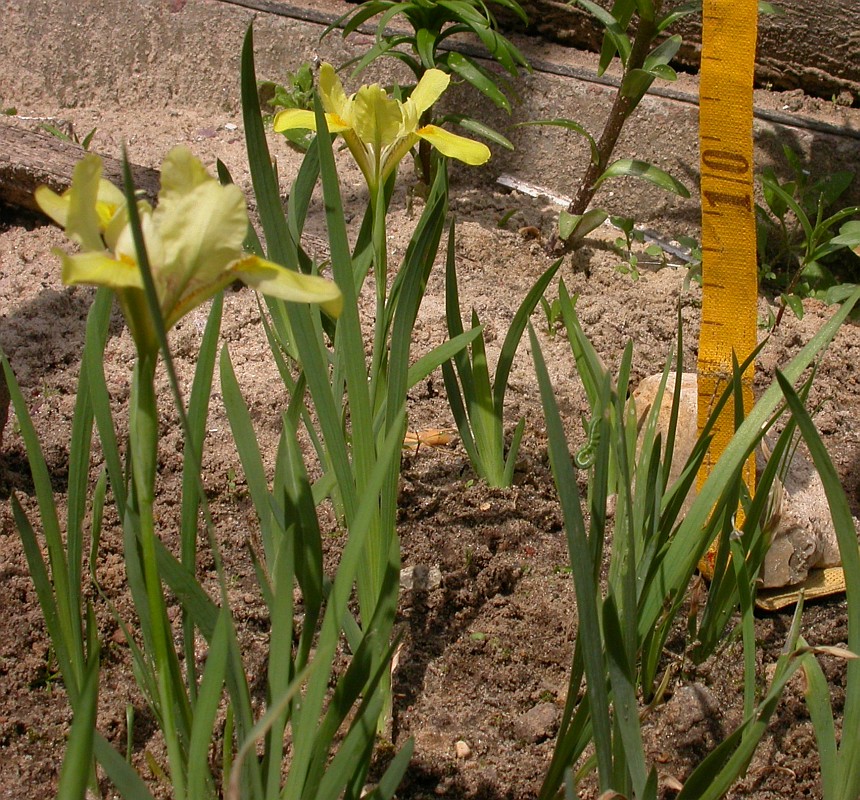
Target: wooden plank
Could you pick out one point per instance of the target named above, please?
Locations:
(29, 159)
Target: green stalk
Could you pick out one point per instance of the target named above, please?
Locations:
(143, 423)
(622, 107)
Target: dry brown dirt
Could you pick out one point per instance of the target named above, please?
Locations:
(487, 652)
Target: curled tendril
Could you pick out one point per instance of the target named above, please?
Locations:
(585, 456)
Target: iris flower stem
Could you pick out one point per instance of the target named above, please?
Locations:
(143, 422)
(379, 360)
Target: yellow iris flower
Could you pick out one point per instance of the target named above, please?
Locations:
(378, 129)
(193, 240)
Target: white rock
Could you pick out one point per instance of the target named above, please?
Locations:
(462, 749)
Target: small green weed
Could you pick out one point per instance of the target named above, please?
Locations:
(552, 314)
(805, 247)
(296, 92)
(69, 134)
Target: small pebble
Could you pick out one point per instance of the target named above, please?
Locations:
(462, 749)
(538, 723)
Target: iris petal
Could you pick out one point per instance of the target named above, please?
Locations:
(99, 269)
(376, 116)
(295, 287)
(449, 144)
(429, 89)
(82, 223)
(300, 119)
(333, 97)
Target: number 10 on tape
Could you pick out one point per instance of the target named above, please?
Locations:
(729, 272)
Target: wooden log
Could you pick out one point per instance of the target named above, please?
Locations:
(29, 159)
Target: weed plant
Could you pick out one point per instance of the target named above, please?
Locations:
(801, 254)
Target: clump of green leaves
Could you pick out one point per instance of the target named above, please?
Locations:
(652, 547)
(296, 92)
(551, 314)
(804, 245)
(477, 404)
(435, 24)
(625, 246)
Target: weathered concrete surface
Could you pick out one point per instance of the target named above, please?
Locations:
(815, 47)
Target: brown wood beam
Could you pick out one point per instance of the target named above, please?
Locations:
(29, 159)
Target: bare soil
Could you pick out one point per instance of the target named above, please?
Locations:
(486, 652)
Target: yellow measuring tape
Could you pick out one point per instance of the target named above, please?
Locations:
(729, 272)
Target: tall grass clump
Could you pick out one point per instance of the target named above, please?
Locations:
(652, 551)
(316, 735)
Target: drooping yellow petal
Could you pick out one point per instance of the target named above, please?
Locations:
(99, 269)
(377, 118)
(286, 284)
(109, 201)
(54, 205)
(429, 89)
(449, 144)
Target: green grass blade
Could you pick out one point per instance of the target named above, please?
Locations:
(513, 452)
(723, 765)
(684, 551)
(248, 448)
(54, 589)
(486, 426)
(45, 591)
(848, 782)
(80, 450)
(626, 710)
(205, 710)
(308, 554)
(93, 357)
(588, 364)
(515, 333)
(458, 411)
(78, 759)
(306, 718)
(279, 245)
(328, 776)
(197, 415)
(817, 695)
(393, 774)
(425, 365)
(745, 589)
(452, 315)
(582, 567)
(129, 785)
